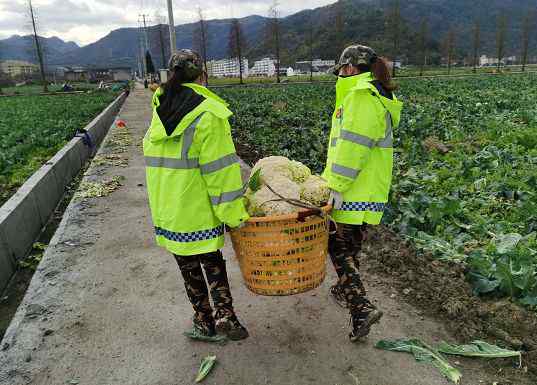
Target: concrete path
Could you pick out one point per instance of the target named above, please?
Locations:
(108, 307)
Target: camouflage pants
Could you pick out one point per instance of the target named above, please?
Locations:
(344, 247)
(196, 287)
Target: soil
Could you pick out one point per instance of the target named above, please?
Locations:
(441, 290)
(13, 294)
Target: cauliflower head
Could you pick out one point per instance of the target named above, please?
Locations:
(261, 203)
(276, 166)
(315, 191)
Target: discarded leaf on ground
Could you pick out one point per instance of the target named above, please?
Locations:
(206, 365)
(196, 335)
(478, 349)
(422, 353)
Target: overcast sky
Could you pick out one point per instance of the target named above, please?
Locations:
(85, 21)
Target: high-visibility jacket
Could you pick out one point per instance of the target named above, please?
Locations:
(193, 177)
(360, 152)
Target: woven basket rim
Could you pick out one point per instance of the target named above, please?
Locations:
(277, 218)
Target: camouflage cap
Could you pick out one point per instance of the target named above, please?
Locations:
(187, 61)
(355, 54)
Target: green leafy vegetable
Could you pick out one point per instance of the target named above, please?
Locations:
(33, 128)
(206, 366)
(422, 353)
(255, 182)
(478, 349)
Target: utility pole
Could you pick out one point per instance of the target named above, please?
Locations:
(143, 69)
(203, 40)
(162, 49)
(146, 40)
(38, 48)
(173, 40)
(145, 33)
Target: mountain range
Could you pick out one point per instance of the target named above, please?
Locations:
(362, 21)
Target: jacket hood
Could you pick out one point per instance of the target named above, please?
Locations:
(394, 106)
(212, 103)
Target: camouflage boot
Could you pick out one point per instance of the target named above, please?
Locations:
(228, 324)
(361, 323)
(204, 325)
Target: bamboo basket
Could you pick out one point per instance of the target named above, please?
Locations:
(283, 255)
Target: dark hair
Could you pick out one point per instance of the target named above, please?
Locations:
(173, 86)
(381, 72)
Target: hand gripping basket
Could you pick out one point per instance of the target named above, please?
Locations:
(283, 255)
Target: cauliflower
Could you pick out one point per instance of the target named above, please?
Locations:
(260, 203)
(290, 179)
(299, 172)
(275, 166)
(315, 191)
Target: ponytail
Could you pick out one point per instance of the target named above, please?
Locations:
(173, 86)
(381, 72)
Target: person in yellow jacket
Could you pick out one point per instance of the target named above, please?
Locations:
(359, 171)
(195, 189)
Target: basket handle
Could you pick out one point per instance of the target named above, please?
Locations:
(302, 215)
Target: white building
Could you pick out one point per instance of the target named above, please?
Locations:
(319, 65)
(485, 61)
(290, 72)
(264, 67)
(18, 68)
(227, 68)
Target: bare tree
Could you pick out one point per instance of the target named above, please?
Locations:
(202, 38)
(450, 42)
(237, 45)
(274, 33)
(393, 20)
(527, 24)
(477, 43)
(339, 25)
(38, 48)
(310, 44)
(423, 40)
(1, 80)
(501, 32)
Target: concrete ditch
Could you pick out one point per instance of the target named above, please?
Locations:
(24, 215)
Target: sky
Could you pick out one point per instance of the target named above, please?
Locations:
(86, 21)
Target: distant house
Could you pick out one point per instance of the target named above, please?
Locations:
(18, 68)
(121, 74)
(227, 68)
(319, 65)
(111, 74)
(264, 67)
(485, 61)
(77, 74)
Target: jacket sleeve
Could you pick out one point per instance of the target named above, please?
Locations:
(221, 170)
(356, 138)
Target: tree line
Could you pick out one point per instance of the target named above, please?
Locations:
(394, 32)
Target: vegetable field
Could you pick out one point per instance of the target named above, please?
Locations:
(465, 179)
(33, 128)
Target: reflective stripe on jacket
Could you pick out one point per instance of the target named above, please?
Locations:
(360, 154)
(193, 177)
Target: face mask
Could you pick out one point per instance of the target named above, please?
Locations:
(343, 87)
